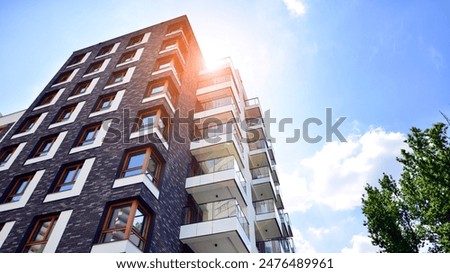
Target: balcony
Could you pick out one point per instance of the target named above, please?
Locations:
(263, 184)
(279, 198)
(252, 109)
(219, 178)
(217, 86)
(268, 220)
(273, 162)
(259, 154)
(217, 227)
(286, 224)
(158, 130)
(222, 109)
(216, 142)
(276, 246)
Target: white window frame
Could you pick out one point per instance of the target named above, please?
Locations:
(13, 157)
(54, 100)
(144, 40)
(136, 179)
(137, 57)
(126, 78)
(4, 232)
(74, 72)
(101, 134)
(33, 129)
(113, 50)
(88, 91)
(26, 195)
(77, 187)
(114, 105)
(171, 68)
(83, 60)
(10, 119)
(72, 118)
(58, 231)
(101, 69)
(51, 153)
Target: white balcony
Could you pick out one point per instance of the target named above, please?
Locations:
(253, 109)
(263, 184)
(220, 145)
(223, 180)
(218, 227)
(268, 220)
(259, 154)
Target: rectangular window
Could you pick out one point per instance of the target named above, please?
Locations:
(75, 60)
(117, 77)
(63, 77)
(95, 67)
(142, 161)
(105, 102)
(81, 88)
(146, 120)
(127, 56)
(136, 40)
(18, 188)
(65, 113)
(68, 177)
(28, 124)
(126, 221)
(44, 146)
(47, 98)
(105, 50)
(89, 135)
(6, 154)
(40, 234)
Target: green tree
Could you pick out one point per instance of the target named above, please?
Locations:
(414, 212)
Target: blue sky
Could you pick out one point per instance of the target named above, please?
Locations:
(383, 65)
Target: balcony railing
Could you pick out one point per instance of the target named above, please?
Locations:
(260, 172)
(264, 206)
(221, 164)
(252, 102)
(214, 81)
(256, 145)
(217, 133)
(272, 246)
(215, 211)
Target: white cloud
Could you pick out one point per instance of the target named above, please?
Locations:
(360, 244)
(320, 232)
(295, 7)
(335, 176)
(301, 245)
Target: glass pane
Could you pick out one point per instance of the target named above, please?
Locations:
(136, 241)
(119, 217)
(157, 89)
(65, 187)
(35, 248)
(136, 160)
(152, 167)
(139, 222)
(22, 186)
(116, 235)
(71, 175)
(147, 121)
(132, 172)
(41, 231)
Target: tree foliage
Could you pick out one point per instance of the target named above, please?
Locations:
(413, 213)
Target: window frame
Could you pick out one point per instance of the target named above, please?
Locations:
(100, 102)
(128, 229)
(148, 154)
(113, 77)
(64, 111)
(127, 56)
(64, 174)
(94, 68)
(135, 40)
(101, 51)
(42, 143)
(47, 98)
(80, 86)
(3, 158)
(38, 223)
(13, 192)
(82, 140)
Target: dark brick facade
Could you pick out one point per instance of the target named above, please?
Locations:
(84, 226)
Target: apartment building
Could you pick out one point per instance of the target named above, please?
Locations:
(135, 146)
